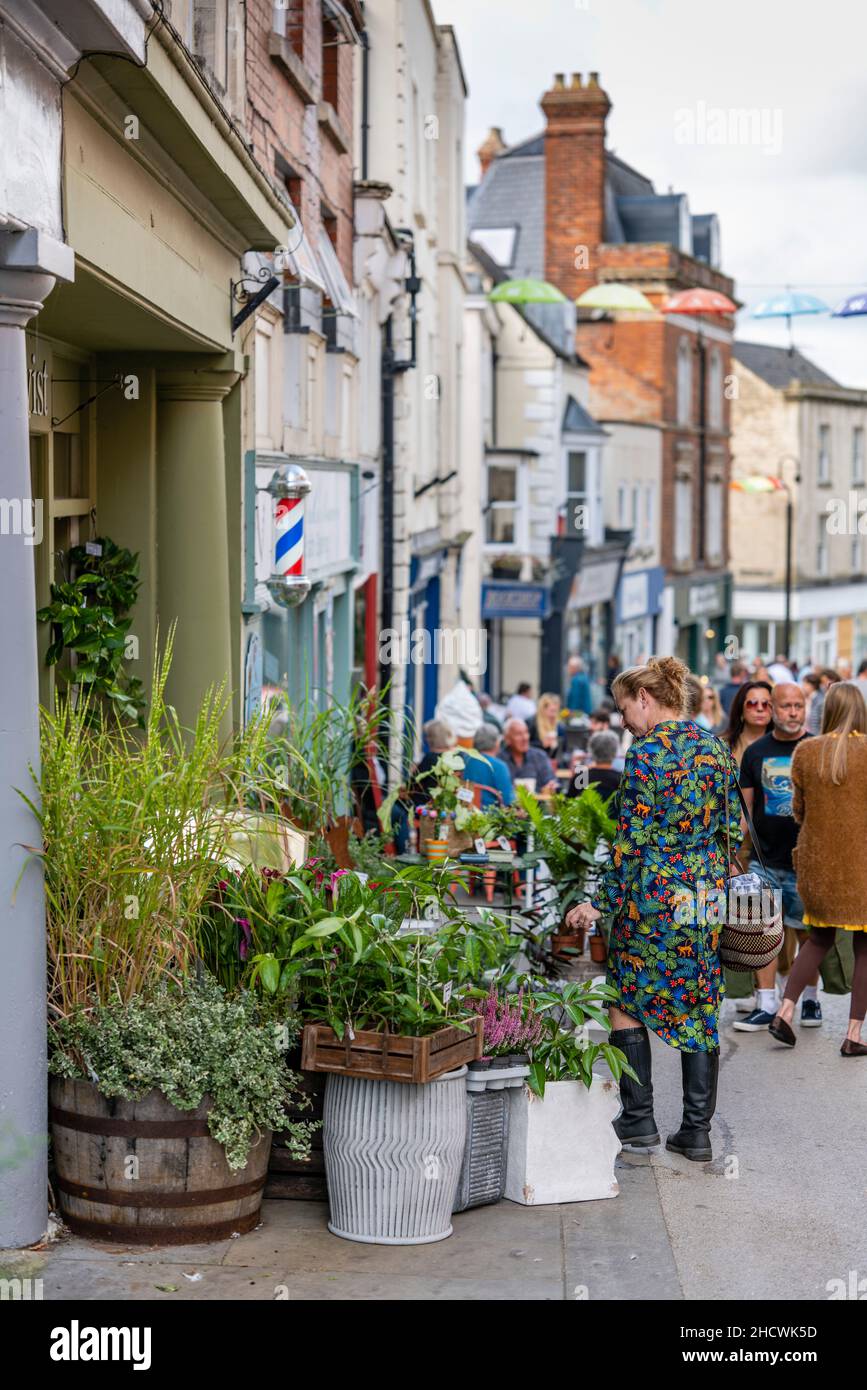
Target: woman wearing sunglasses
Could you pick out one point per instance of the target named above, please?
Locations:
(749, 717)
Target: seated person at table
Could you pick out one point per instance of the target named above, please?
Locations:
(439, 738)
(488, 771)
(524, 762)
(598, 772)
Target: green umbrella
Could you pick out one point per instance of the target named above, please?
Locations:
(526, 292)
(612, 296)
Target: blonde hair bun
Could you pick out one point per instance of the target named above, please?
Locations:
(663, 677)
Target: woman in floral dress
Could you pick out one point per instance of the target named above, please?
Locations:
(666, 886)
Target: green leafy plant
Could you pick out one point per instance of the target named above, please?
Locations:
(566, 838)
(89, 616)
(563, 1053)
(192, 1043)
(357, 967)
(134, 830)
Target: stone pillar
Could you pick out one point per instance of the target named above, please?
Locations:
(29, 265)
(192, 536)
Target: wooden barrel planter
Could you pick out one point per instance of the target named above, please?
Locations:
(145, 1173)
(291, 1178)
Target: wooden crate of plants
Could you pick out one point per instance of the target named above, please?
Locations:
(392, 1056)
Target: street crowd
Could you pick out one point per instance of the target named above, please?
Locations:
(793, 742)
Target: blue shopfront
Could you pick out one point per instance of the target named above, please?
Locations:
(513, 614)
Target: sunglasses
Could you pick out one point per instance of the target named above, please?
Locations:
(757, 704)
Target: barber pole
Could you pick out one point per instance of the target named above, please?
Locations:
(288, 584)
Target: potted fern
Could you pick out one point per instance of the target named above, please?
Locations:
(568, 839)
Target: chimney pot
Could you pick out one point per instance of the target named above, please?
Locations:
(559, 81)
(576, 80)
(594, 80)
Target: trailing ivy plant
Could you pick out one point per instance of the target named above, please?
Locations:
(89, 617)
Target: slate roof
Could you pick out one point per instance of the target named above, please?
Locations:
(548, 321)
(779, 367)
(577, 420)
(512, 194)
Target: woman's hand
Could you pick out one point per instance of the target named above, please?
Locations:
(582, 916)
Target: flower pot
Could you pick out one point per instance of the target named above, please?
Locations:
(442, 832)
(437, 851)
(179, 1191)
(569, 943)
(562, 1148)
(598, 949)
(393, 1156)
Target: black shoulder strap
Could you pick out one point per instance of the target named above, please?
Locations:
(747, 817)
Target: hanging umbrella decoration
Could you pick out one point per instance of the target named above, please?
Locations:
(757, 482)
(526, 291)
(699, 301)
(613, 298)
(787, 306)
(851, 306)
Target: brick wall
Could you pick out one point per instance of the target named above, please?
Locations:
(574, 180)
(282, 123)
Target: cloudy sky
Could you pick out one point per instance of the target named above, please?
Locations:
(792, 199)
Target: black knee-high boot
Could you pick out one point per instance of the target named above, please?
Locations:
(635, 1126)
(700, 1075)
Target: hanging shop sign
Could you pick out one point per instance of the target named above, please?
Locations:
(502, 600)
(696, 601)
(594, 584)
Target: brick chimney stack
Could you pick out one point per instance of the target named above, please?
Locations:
(492, 145)
(575, 118)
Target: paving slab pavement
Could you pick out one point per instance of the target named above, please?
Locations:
(779, 1213)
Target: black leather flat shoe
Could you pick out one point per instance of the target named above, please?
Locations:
(853, 1049)
(780, 1030)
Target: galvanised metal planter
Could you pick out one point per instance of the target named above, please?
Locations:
(393, 1156)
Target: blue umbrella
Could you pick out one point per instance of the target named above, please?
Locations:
(786, 306)
(853, 304)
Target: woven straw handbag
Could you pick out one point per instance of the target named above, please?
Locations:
(753, 932)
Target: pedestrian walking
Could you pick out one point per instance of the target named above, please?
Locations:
(749, 717)
(766, 782)
(829, 777)
(669, 849)
(738, 675)
(579, 696)
(827, 678)
(712, 716)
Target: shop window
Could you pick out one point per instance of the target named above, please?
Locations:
(622, 517)
(502, 507)
(823, 471)
(684, 382)
(855, 554)
(682, 521)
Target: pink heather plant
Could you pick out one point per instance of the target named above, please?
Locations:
(508, 1028)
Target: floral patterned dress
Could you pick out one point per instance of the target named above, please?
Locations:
(667, 869)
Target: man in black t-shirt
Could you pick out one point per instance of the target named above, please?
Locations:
(766, 782)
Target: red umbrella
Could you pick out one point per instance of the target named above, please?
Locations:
(699, 301)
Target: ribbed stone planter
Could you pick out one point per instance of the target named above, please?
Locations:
(393, 1155)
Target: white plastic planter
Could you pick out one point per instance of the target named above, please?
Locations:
(562, 1148)
(393, 1156)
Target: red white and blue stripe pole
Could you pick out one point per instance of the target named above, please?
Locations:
(288, 584)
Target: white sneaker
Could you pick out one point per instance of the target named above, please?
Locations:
(745, 1006)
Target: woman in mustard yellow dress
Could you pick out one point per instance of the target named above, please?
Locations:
(829, 776)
